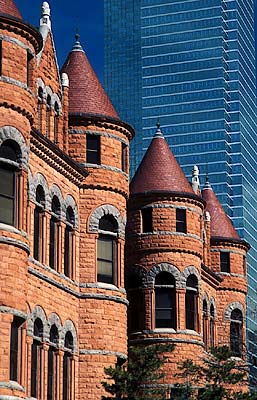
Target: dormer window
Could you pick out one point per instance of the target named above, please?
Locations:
(93, 149)
(147, 220)
(224, 262)
(181, 220)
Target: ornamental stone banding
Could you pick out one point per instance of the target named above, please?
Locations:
(191, 270)
(38, 312)
(11, 133)
(54, 319)
(70, 202)
(231, 307)
(69, 327)
(163, 267)
(98, 133)
(56, 191)
(39, 179)
(106, 209)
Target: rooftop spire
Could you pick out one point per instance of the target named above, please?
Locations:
(77, 46)
(158, 132)
(207, 183)
(45, 21)
(195, 180)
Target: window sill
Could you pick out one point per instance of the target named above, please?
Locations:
(13, 385)
(103, 285)
(12, 229)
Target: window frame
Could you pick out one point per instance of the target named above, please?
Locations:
(181, 220)
(15, 364)
(108, 233)
(69, 238)
(236, 343)
(147, 219)
(192, 298)
(93, 152)
(225, 261)
(54, 233)
(169, 289)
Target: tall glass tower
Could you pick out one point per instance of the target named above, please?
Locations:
(191, 64)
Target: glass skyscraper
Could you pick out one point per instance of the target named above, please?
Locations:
(191, 64)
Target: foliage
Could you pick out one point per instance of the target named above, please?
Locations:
(217, 376)
(137, 379)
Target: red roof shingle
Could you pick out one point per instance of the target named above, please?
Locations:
(159, 170)
(8, 7)
(86, 94)
(221, 226)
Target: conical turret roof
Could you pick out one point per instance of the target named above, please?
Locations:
(159, 170)
(8, 7)
(86, 94)
(221, 226)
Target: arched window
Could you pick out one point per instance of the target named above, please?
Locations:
(52, 370)
(56, 119)
(38, 223)
(212, 326)
(48, 115)
(107, 250)
(205, 324)
(69, 242)
(191, 303)
(136, 310)
(54, 233)
(236, 328)
(9, 158)
(67, 367)
(165, 301)
(36, 355)
(39, 107)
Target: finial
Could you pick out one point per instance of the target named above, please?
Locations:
(65, 80)
(45, 16)
(207, 183)
(77, 46)
(158, 132)
(195, 180)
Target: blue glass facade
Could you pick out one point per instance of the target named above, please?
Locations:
(191, 64)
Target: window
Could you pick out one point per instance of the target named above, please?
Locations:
(205, 324)
(181, 220)
(54, 233)
(38, 224)
(48, 115)
(52, 370)
(68, 242)
(212, 326)
(191, 302)
(67, 367)
(56, 119)
(147, 219)
(107, 250)
(236, 325)
(93, 149)
(165, 301)
(15, 349)
(36, 354)
(39, 107)
(136, 310)
(9, 154)
(124, 157)
(29, 68)
(224, 261)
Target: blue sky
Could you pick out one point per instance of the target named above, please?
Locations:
(64, 14)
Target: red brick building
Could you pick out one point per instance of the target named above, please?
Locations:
(64, 205)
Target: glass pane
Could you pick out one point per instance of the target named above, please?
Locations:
(163, 298)
(6, 182)
(104, 249)
(104, 272)
(7, 211)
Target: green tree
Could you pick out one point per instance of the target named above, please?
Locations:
(218, 376)
(138, 378)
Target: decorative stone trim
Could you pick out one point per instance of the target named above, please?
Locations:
(12, 385)
(106, 209)
(139, 271)
(69, 327)
(17, 42)
(70, 202)
(104, 166)
(15, 242)
(154, 340)
(206, 298)
(9, 132)
(13, 311)
(103, 353)
(10, 228)
(56, 191)
(190, 271)
(163, 267)
(98, 133)
(231, 307)
(67, 289)
(54, 319)
(38, 312)
(212, 303)
(171, 233)
(15, 82)
(171, 205)
(39, 179)
(102, 285)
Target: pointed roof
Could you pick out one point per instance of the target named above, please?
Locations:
(221, 226)
(8, 7)
(159, 170)
(86, 94)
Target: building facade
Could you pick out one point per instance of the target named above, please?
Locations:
(68, 267)
(192, 66)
